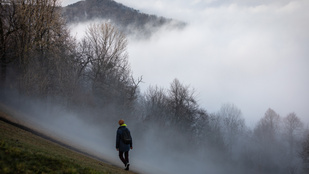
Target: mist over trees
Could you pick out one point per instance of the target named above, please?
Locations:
(40, 60)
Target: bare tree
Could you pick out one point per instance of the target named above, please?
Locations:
(293, 129)
(157, 107)
(106, 52)
(104, 63)
(182, 104)
(305, 152)
(216, 137)
(233, 125)
(267, 143)
(268, 126)
(5, 31)
(35, 41)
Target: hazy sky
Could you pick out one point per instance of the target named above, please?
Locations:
(252, 53)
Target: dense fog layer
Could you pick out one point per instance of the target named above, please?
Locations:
(253, 54)
(217, 143)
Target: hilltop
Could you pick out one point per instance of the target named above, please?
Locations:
(128, 20)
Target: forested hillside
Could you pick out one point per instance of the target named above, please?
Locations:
(128, 20)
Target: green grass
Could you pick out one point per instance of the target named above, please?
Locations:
(23, 152)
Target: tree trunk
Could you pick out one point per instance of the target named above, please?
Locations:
(2, 55)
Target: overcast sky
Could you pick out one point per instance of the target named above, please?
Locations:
(252, 53)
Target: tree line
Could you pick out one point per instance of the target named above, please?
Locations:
(275, 144)
(40, 59)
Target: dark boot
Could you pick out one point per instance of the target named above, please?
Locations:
(127, 166)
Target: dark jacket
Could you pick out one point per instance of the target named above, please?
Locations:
(119, 144)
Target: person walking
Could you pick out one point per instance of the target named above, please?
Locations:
(124, 143)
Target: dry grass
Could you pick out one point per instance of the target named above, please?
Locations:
(24, 152)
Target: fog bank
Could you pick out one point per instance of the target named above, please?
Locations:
(152, 152)
(253, 54)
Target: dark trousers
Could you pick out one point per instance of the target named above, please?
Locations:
(124, 159)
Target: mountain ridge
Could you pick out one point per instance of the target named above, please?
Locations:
(128, 20)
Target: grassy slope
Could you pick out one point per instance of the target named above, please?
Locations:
(24, 152)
